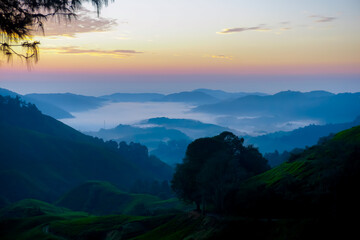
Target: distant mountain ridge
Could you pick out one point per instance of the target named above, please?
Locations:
(189, 97)
(201, 95)
(222, 95)
(133, 97)
(69, 101)
(320, 105)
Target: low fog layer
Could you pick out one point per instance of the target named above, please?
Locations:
(131, 113)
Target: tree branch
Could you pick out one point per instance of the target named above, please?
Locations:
(19, 17)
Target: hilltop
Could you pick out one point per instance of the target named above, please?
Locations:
(68, 101)
(44, 107)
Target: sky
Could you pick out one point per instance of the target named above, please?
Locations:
(170, 45)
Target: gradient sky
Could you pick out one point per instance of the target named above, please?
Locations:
(229, 39)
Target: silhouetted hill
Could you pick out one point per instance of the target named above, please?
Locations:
(166, 138)
(167, 144)
(149, 136)
(44, 107)
(298, 138)
(133, 97)
(189, 97)
(68, 101)
(222, 95)
(192, 128)
(43, 158)
(4, 92)
(289, 105)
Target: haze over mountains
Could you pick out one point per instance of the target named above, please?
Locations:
(254, 113)
(200, 95)
(133, 97)
(270, 122)
(60, 105)
(165, 138)
(319, 105)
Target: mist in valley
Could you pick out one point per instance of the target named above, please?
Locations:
(132, 113)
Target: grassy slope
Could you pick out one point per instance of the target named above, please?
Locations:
(313, 162)
(33, 219)
(103, 198)
(168, 227)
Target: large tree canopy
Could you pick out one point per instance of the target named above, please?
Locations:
(19, 18)
(214, 167)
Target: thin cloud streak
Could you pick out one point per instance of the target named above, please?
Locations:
(221, 57)
(94, 52)
(322, 19)
(285, 22)
(243, 29)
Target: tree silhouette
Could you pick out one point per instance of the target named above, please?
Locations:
(213, 168)
(18, 18)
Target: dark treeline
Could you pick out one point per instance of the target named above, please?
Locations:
(43, 158)
(276, 158)
(16, 106)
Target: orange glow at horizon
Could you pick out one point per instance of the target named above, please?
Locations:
(303, 37)
(183, 64)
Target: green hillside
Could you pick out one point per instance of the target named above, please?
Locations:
(32, 207)
(101, 198)
(75, 226)
(33, 219)
(319, 182)
(315, 161)
(43, 158)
